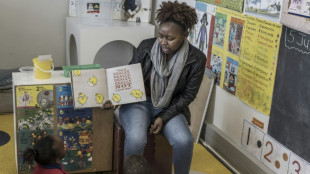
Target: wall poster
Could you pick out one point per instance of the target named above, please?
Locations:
(258, 61)
(228, 29)
(236, 5)
(268, 9)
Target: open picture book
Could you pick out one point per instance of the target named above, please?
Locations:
(120, 85)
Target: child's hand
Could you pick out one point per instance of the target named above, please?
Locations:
(157, 126)
(107, 105)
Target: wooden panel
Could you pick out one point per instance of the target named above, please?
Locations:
(103, 141)
(199, 105)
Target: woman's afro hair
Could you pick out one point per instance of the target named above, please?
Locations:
(180, 13)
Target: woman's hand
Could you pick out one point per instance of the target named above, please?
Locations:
(157, 126)
(107, 105)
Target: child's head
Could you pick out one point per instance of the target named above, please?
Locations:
(136, 164)
(47, 150)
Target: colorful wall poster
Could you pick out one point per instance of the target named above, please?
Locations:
(69, 118)
(236, 5)
(258, 60)
(228, 29)
(202, 28)
(64, 96)
(37, 96)
(235, 33)
(79, 148)
(231, 73)
(299, 7)
(35, 119)
(216, 67)
(75, 127)
(27, 139)
(268, 9)
(296, 22)
(219, 29)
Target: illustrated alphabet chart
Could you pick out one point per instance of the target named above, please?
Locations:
(270, 152)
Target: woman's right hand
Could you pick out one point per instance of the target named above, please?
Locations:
(107, 105)
(157, 126)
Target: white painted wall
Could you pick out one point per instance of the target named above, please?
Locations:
(30, 28)
(230, 112)
(33, 27)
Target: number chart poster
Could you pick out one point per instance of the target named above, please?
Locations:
(258, 61)
(64, 96)
(75, 127)
(228, 28)
(236, 5)
(32, 124)
(39, 96)
(271, 153)
(34, 117)
(27, 139)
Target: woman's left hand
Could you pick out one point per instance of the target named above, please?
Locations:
(157, 126)
(107, 105)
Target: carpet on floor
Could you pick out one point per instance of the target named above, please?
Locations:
(7, 152)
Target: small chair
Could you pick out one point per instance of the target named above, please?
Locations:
(158, 151)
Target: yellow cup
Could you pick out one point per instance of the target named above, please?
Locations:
(42, 69)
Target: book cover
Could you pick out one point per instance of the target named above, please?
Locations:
(120, 85)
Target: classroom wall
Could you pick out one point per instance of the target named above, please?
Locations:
(230, 120)
(33, 27)
(30, 28)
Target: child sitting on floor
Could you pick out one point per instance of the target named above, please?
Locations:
(47, 153)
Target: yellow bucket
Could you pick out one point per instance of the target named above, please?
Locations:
(42, 69)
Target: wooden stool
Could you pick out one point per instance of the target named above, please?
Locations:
(158, 151)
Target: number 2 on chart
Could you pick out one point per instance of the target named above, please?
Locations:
(269, 153)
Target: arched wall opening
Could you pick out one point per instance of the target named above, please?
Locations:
(115, 53)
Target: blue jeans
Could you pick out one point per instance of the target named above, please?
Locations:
(136, 119)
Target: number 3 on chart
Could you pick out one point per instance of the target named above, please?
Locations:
(297, 163)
